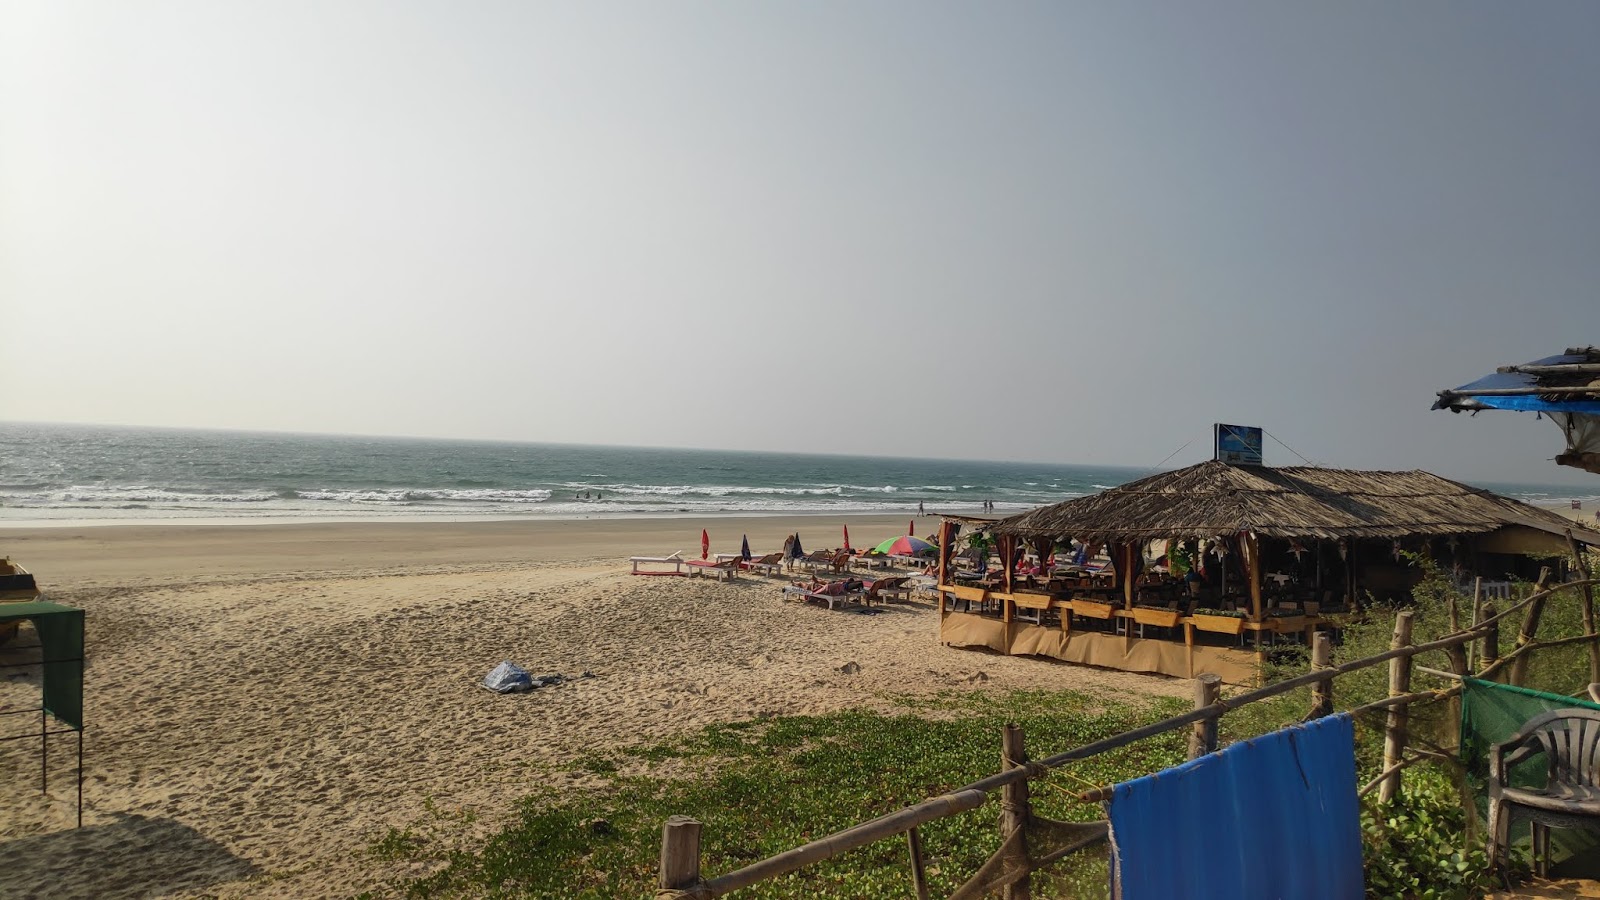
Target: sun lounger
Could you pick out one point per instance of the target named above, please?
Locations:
(727, 568)
(896, 587)
(871, 561)
(675, 560)
(817, 562)
(771, 564)
(795, 590)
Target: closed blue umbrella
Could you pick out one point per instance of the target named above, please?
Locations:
(744, 548)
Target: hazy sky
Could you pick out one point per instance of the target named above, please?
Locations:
(1050, 231)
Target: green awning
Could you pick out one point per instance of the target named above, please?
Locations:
(60, 631)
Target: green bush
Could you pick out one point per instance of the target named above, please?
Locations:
(1414, 846)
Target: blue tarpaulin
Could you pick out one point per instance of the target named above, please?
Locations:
(1272, 817)
(1462, 398)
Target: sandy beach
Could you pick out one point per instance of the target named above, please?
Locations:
(262, 702)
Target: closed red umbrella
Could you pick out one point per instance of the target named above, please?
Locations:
(705, 544)
(847, 537)
(911, 527)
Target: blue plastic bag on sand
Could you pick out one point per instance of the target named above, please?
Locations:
(508, 677)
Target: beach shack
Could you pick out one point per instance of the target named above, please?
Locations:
(1212, 565)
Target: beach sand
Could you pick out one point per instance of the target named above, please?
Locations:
(264, 701)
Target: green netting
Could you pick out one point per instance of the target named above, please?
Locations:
(60, 631)
(1492, 713)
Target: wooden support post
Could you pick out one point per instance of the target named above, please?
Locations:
(1491, 639)
(1014, 813)
(680, 853)
(1529, 630)
(1394, 732)
(1203, 739)
(1581, 564)
(1252, 551)
(1322, 691)
(1352, 601)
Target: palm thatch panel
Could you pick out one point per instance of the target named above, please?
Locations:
(1213, 499)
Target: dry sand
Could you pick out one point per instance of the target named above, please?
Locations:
(263, 702)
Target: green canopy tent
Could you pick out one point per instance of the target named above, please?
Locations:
(60, 632)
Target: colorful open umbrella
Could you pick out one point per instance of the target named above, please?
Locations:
(905, 545)
(705, 544)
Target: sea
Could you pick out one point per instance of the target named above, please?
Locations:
(81, 474)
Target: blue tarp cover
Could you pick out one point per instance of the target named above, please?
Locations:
(1524, 402)
(1272, 817)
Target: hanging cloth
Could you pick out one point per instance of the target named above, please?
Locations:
(1276, 816)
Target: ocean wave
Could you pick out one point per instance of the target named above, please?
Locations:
(414, 495)
(732, 490)
(141, 493)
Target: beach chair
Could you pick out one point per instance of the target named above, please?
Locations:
(823, 595)
(895, 587)
(817, 561)
(726, 568)
(675, 560)
(871, 559)
(1569, 739)
(771, 564)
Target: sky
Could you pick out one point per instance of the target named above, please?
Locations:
(1064, 232)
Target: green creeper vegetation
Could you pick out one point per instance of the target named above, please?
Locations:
(765, 786)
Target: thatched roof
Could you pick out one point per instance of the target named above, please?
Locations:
(1212, 499)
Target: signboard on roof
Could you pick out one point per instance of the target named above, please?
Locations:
(1238, 445)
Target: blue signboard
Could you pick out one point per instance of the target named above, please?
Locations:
(1238, 445)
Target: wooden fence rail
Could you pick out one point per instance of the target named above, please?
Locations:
(1009, 868)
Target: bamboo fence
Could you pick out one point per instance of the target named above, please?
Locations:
(1009, 869)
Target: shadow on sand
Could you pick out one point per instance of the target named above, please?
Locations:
(133, 857)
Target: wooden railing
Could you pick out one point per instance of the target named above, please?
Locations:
(1010, 867)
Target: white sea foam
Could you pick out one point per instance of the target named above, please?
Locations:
(414, 495)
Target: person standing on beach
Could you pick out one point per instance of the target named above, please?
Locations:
(788, 552)
(920, 510)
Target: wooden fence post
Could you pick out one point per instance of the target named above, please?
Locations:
(919, 877)
(1477, 616)
(1458, 664)
(1582, 566)
(1014, 813)
(680, 853)
(1394, 732)
(1530, 629)
(1203, 738)
(1322, 691)
(1491, 639)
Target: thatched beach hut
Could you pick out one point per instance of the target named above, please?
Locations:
(1266, 554)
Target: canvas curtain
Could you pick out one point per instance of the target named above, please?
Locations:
(60, 631)
(1276, 816)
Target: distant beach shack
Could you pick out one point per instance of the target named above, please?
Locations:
(1211, 565)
